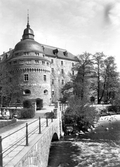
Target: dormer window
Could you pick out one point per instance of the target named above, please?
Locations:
(65, 53)
(55, 51)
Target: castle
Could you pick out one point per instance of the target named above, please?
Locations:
(33, 72)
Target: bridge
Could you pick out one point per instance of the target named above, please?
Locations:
(29, 145)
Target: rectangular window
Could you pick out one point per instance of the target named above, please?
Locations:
(51, 61)
(53, 92)
(61, 63)
(72, 64)
(72, 72)
(45, 78)
(52, 70)
(25, 77)
(62, 82)
(52, 81)
(62, 71)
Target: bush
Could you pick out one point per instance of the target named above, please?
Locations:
(113, 108)
(50, 115)
(26, 113)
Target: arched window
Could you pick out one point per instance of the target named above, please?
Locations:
(26, 92)
(45, 92)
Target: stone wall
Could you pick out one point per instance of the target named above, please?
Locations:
(37, 153)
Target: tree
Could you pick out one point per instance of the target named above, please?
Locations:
(98, 64)
(81, 81)
(111, 80)
(11, 89)
(106, 83)
(78, 101)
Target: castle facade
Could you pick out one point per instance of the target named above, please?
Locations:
(33, 72)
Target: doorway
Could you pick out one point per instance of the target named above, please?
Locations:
(39, 104)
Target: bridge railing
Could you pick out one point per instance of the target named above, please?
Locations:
(21, 137)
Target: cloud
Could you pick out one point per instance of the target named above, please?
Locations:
(77, 25)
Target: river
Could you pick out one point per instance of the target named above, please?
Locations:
(98, 148)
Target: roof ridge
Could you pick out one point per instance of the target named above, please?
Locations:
(49, 46)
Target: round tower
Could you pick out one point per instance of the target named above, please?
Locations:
(30, 72)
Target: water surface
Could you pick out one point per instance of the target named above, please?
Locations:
(99, 148)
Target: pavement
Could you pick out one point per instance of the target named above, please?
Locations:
(19, 122)
(18, 138)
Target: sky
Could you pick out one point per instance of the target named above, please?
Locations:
(75, 25)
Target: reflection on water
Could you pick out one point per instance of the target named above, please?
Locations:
(99, 148)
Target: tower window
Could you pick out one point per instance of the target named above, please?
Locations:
(36, 61)
(25, 77)
(52, 81)
(62, 82)
(43, 62)
(45, 92)
(62, 71)
(52, 70)
(45, 78)
(72, 72)
(52, 92)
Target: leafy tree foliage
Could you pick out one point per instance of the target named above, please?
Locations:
(11, 88)
(96, 77)
(107, 78)
(98, 67)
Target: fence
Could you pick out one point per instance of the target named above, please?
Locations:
(24, 134)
